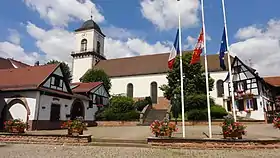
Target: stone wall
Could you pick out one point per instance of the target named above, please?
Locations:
(44, 139)
(213, 143)
(117, 123)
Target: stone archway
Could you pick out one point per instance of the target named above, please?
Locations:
(77, 109)
(15, 109)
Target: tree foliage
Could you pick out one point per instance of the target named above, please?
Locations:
(65, 68)
(97, 75)
(194, 81)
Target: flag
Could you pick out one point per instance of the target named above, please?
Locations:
(174, 51)
(198, 49)
(223, 49)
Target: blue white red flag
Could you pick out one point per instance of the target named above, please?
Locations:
(174, 51)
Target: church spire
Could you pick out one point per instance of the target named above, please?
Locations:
(91, 13)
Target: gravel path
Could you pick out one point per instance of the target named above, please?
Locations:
(53, 151)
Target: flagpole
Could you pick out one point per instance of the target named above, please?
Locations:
(181, 73)
(206, 70)
(229, 63)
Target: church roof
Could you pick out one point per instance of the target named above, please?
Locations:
(11, 63)
(90, 24)
(149, 64)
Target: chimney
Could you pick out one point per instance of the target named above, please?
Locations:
(37, 63)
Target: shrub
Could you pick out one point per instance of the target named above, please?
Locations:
(140, 104)
(121, 104)
(110, 115)
(197, 101)
(197, 114)
(218, 112)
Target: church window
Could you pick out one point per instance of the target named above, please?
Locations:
(98, 47)
(220, 88)
(154, 92)
(130, 90)
(84, 45)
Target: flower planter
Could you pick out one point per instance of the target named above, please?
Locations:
(234, 134)
(75, 131)
(15, 129)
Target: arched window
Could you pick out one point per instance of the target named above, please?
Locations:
(154, 95)
(129, 90)
(84, 45)
(98, 47)
(220, 88)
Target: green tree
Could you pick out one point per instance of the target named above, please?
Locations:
(97, 75)
(65, 68)
(194, 78)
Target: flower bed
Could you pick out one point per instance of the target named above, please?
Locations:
(276, 121)
(15, 126)
(232, 129)
(75, 127)
(163, 128)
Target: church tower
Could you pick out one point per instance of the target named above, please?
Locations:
(89, 49)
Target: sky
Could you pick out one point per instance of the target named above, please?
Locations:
(41, 30)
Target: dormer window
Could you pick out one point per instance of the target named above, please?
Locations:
(98, 47)
(84, 45)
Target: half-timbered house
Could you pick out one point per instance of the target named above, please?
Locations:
(252, 94)
(42, 97)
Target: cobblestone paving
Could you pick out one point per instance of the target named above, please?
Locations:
(52, 151)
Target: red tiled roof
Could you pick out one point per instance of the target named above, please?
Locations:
(149, 64)
(274, 81)
(84, 87)
(25, 78)
(11, 63)
(18, 63)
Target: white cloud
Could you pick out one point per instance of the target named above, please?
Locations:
(164, 13)
(56, 43)
(14, 36)
(118, 33)
(10, 50)
(61, 12)
(261, 46)
(132, 47)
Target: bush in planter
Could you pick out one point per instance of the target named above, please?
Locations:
(276, 121)
(232, 129)
(15, 126)
(74, 126)
(163, 128)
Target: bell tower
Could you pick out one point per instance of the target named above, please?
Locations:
(89, 49)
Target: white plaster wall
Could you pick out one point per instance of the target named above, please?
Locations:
(141, 84)
(80, 67)
(218, 76)
(17, 110)
(89, 36)
(45, 107)
(46, 101)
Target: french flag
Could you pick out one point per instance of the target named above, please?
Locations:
(174, 51)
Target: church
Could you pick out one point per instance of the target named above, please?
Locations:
(138, 76)
(141, 76)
